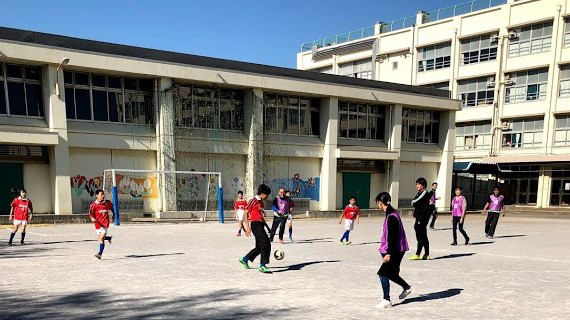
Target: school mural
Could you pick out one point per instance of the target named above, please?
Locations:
(137, 187)
(195, 186)
(80, 184)
(299, 188)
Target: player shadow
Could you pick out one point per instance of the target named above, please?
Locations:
(99, 304)
(454, 255)
(299, 266)
(59, 242)
(314, 240)
(480, 243)
(510, 236)
(432, 296)
(365, 243)
(19, 251)
(441, 229)
(136, 256)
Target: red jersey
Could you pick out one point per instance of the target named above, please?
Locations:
(351, 212)
(240, 204)
(255, 209)
(21, 207)
(100, 212)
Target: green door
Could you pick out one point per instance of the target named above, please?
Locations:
(12, 179)
(356, 184)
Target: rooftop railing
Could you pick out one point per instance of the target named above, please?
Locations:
(431, 16)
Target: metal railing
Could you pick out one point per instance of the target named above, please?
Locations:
(460, 9)
(397, 24)
(339, 38)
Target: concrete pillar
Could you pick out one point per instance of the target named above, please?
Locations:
(544, 187)
(445, 171)
(166, 151)
(58, 154)
(253, 103)
(394, 183)
(394, 128)
(329, 136)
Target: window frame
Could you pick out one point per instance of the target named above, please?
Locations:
(565, 128)
(523, 132)
(520, 31)
(282, 103)
(407, 119)
(354, 65)
(424, 64)
(492, 55)
(464, 95)
(474, 134)
(564, 79)
(368, 116)
(518, 97)
(5, 79)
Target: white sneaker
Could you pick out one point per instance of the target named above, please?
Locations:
(384, 304)
(406, 293)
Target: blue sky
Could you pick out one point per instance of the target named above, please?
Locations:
(260, 31)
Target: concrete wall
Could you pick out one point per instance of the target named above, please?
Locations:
(38, 184)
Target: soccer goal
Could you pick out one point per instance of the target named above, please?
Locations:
(183, 193)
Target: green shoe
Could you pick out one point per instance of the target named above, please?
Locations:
(414, 257)
(244, 263)
(426, 257)
(348, 243)
(264, 269)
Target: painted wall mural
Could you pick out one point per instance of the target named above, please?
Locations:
(308, 188)
(137, 187)
(80, 184)
(195, 186)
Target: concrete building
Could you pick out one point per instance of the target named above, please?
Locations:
(509, 63)
(71, 108)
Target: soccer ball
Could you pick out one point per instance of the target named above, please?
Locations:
(279, 255)
(201, 219)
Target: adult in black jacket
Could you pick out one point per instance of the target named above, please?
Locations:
(422, 215)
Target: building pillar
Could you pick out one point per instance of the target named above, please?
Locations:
(58, 154)
(444, 175)
(329, 136)
(394, 183)
(394, 134)
(166, 151)
(253, 103)
(544, 187)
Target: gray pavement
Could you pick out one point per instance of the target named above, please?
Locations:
(190, 271)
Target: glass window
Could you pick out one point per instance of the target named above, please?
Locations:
(100, 112)
(34, 101)
(82, 104)
(473, 135)
(562, 130)
(3, 109)
(529, 85)
(292, 115)
(567, 32)
(24, 91)
(357, 69)
(328, 69)
(526, 132)
(438, 85)
(479, 49)
(361, 121)
(16, 98)
(564, 89)
(476, 92)
(531, 39)
(420, 126)
(434, 57)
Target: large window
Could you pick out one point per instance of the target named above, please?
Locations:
(102, 98)
(21, 91)
(562, 130)
(203, 107)
(291, 115)
(328, 70)
(564, 90)
(531, 39)
(473, 135)
(361, 121)
(434, 57)
(567, 32)
(560, 185)
(476, 92)
(438, 85)
(478, 49)
(419, 126)
(357, 69)
(527, 85)
(525, 133)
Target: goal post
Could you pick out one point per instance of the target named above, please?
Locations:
(154, 191)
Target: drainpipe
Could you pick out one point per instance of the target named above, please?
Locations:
(499, 81)
(553, 88)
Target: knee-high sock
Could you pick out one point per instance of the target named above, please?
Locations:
(290, 232)
(12, 237)
(23, 236)
(345, 235)
(101, 247)
(108, 238)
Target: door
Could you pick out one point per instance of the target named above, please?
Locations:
(356, 184)
(11, 181)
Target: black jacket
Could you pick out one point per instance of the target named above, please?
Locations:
(421, 204)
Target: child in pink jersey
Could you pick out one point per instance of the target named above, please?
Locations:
(458, 209)
(495, 206)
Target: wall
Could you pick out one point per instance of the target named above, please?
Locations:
(87, 166)
(37, 183)
(410, 171)
(377, 185)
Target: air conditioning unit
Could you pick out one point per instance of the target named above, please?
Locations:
(506, 126)
(495, 38)
(512, 35)
(490, 84)
(508, 81)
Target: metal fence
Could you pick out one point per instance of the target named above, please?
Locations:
(339, 38)
(460, 9)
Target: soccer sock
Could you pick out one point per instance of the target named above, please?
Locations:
(12, 237)
(107, 238)
(239, 231)
(347, 234)
(23, 236)
(101, 248)
(290, 232)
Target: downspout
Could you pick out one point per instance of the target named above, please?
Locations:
(499, 81)
(553, 87)
(412, 51)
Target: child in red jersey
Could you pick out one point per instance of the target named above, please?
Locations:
(20, 208)
(255, 211)
(239, 208)
(99, 214)
(350, 213)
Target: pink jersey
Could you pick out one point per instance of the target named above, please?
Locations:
(457, 206)
(496, 203)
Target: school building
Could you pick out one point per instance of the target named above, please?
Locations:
(71, 108)
(509, 64)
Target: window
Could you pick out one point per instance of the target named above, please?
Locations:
(361, 121)
(21, 91)
(395, 65)
(476, 92)
(420, 126)
(564, 90)
(567, 32)
(525, 133)
(478, 49)
(531, 39)
(103, 98)
(438, 85)
(434, 57)
(560, 185)
(527, 85)
(473, 135)
(201, 107)
(291, 115)
(328, 70)
(562, 130)
(357, 69)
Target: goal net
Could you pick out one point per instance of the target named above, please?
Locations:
(175, 194)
